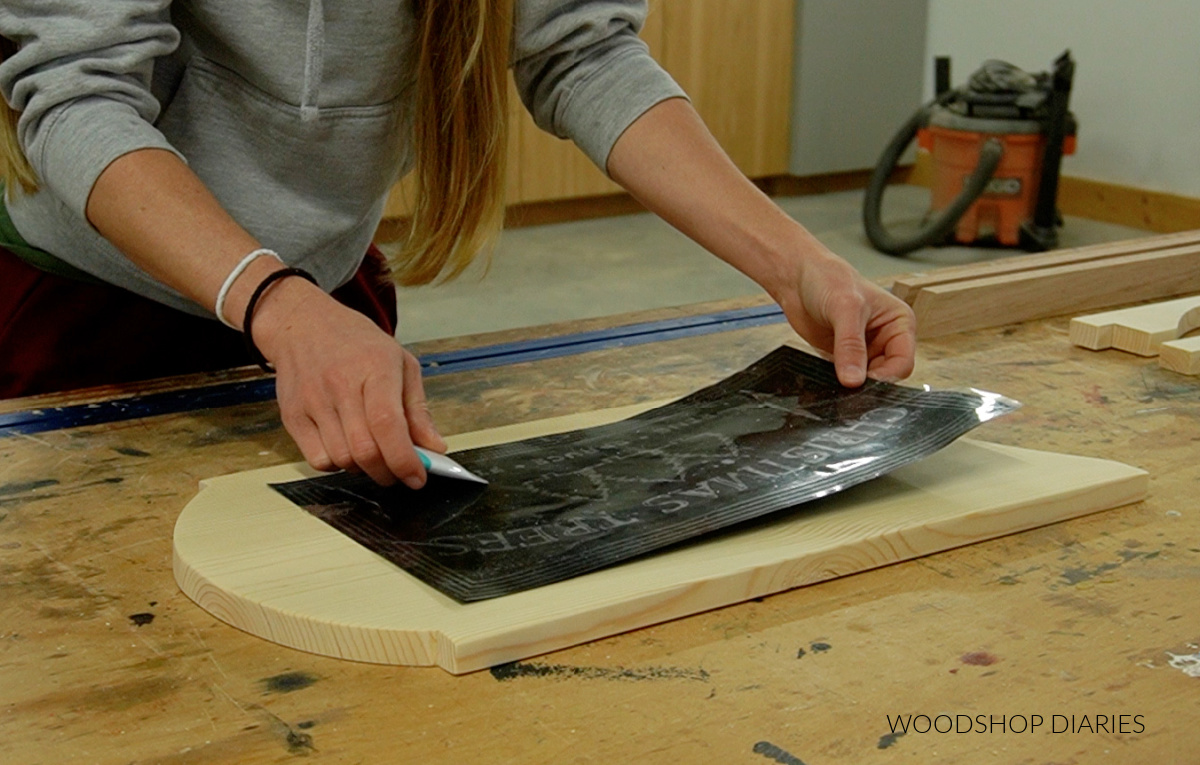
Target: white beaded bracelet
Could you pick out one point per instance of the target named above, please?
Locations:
(219, 308)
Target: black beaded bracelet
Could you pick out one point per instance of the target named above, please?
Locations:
(255, 354)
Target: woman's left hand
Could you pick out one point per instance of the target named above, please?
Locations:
(671, 163)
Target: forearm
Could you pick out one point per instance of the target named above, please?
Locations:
(161, 216)
(671, 163)
(348, 393)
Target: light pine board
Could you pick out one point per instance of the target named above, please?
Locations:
(906, 286)
(993, 301)
(260, 563)
(1139, 330)
(1182, 356)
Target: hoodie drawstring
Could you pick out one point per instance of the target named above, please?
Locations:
(314, 60)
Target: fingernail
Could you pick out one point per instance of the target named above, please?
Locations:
(413, 482)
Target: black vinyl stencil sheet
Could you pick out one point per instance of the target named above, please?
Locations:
(775, 435)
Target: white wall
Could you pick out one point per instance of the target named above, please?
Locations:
(1137, 78)
(857, 79)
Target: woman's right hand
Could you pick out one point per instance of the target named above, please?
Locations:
(349, 394)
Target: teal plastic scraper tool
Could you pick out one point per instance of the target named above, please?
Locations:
(440, 464)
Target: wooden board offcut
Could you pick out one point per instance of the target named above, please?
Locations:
(997, 300)
(1140, 330)
(906, 286)
(258, 562)
(1182, 356)
(1028, 287)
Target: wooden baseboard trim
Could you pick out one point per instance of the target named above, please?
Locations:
(828, 183)
(1156, 211)
(566, 210)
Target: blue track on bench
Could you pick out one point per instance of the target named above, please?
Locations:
(433, 364)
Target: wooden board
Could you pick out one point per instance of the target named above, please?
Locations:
(997, 300)
(906, 286)
(1182, 356)
(260, 563)
(1140, 330)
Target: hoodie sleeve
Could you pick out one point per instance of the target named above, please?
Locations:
(582, 71)
(81, 80)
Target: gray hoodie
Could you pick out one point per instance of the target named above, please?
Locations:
(293, 112)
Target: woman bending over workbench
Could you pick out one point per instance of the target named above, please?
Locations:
(166, 162)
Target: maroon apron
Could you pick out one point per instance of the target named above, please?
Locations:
(61, 334)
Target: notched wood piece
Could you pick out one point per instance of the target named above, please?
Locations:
(1139, 330)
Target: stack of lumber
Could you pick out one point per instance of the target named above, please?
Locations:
(1069, 281)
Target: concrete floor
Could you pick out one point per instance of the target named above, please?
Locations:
(544, 274)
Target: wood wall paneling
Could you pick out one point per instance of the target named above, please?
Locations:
(554, 168)
(734, 59)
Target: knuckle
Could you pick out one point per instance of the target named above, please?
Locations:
(335, 378)
(364, 450)
(320, 461)
(846, 302)
(383, 418)
(342, 458)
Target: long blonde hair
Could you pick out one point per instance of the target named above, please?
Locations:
(460, 135)
(15, 172)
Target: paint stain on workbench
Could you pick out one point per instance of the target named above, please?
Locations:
(516, 669)
(287, 682)
(299, 743)
(1079, 574)
(817, 647)
(142, 619)
(1189, 664)
(11, 493)
(129, 451)
(1090, 606)
(296, 741)
(887, 739)
(1095, 397)
(770, 751)
(979, 659)
(58, 588)
(127, 695)
(237, 432)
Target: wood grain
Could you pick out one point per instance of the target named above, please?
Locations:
(994, 301)
(1091, 615)
(258, 562)
(734, 59)
(1127, 205)
(1139, 330)
(1182, 356)
(907, 286)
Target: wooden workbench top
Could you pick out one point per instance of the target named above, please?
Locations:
(1089, 625)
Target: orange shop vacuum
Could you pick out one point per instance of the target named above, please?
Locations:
(996, 146)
